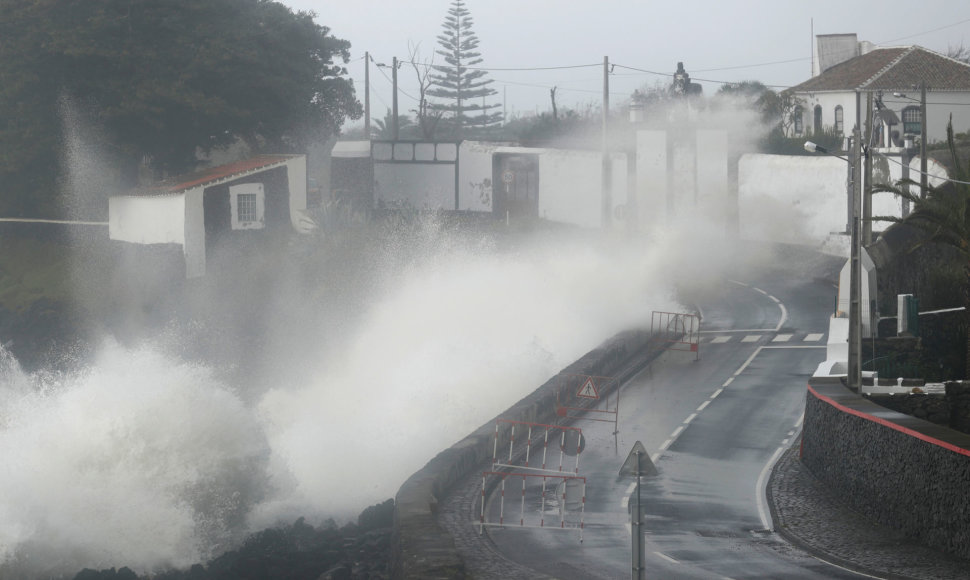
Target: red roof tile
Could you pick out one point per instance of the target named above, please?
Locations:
(892, 69)
(213, 175)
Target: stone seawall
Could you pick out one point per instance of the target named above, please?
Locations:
(422, 548)
(896, 469)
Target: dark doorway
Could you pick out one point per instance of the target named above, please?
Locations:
(516, 191)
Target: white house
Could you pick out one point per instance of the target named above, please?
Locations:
(845, 66)
(192, 212)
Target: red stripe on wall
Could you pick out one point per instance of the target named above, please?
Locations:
(890, 424)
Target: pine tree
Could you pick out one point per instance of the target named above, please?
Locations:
(464, 89)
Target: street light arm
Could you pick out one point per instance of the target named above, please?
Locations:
(816, 148)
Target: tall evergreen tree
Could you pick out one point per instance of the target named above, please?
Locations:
(463, 88)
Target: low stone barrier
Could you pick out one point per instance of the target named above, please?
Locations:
(422, 548)
(898, 470)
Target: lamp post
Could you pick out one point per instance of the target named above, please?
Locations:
(854, 373)
(922, 134)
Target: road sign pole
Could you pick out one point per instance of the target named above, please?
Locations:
(638, 464)
(635, 530)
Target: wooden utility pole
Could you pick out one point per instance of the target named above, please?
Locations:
(366, 95)
(867, 195)
(922, 140)
(394, 133)
(855, 271)
(607, 178)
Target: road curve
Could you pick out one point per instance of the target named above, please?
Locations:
(714, 427)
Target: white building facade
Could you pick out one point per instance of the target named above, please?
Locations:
(827, 102)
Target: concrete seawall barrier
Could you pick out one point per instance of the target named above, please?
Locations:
(422, 547)
(898, 470)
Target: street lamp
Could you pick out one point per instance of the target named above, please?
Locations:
(854, 372)
(394, 66)
(922, 133)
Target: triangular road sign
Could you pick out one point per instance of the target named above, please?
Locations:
(588, 390)
(646, 466)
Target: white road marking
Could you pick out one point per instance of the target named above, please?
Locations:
(747, 362)
(666, 444)
(814, 337)
(782, 338)
(704, 405)
(717, 392)
(690, 418)
(751, 338)
(720, 339)
(737, 331)
(784, 316)
(728, 382)
(666, 557)
(677, 432)
(655, 457)
(760, 487)
(847, 570)
(775, 299)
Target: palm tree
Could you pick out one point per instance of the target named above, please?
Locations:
(942, 215)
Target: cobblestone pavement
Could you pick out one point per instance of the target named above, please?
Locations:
(482, 560)
(809, 516)
(804, 512)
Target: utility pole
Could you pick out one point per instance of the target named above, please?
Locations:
(607, 178)
(855, 279)
(922, 139)
(366, 95)
(867, 196)
(394, 99)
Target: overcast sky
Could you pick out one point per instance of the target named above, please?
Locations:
(720, 40)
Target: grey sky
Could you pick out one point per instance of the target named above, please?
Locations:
(721, 40)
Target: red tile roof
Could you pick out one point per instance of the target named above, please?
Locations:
(214, 175)
(892, 69)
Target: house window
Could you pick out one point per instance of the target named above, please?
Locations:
(817, 127)
(246, 207)
(838, 119)
(912, 120)
(797, 121)
(247, 204)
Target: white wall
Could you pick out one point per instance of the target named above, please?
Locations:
(475, 175)
(147, 220)
(651, 177)
(296, 179)
(712, 175)
(570, 186)
(194, 248)
(939, 106)
(828, 101)
(791, 199)
(418, 186)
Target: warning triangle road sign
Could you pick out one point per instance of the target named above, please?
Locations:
(638, 462)
(588, 390)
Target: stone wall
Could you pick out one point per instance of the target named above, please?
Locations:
(422, 548)
(898, 470)
(951, 409)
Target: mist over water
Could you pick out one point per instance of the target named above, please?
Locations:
(312, 387)
(141, 458)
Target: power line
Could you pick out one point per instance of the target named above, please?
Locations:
(926, 32)
(663, 74)
(884, 156)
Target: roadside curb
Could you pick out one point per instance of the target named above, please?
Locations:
(806, 514)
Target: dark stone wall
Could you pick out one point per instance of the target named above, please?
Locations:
(949, 410)
(938, 354)
(422, 548)
(914, 484)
